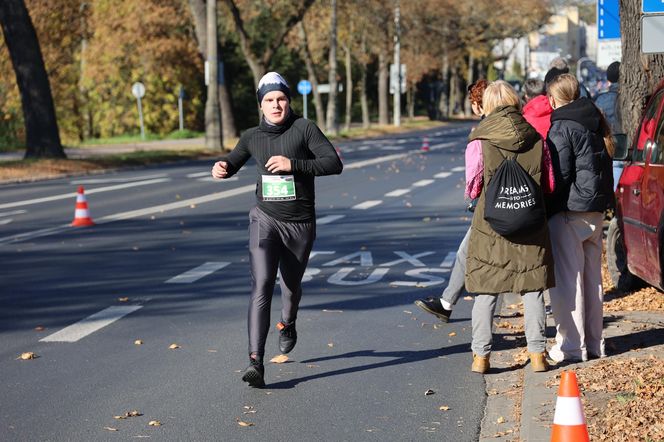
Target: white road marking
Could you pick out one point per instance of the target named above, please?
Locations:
(442, 175)
(198, 174)
(449, 260)
(422, 183)
(459, 169)
(91, 324)
(6, 221)
(134, 213)
(116, 180)
(398, 192)
(12, 212)
(391, 148)
(442, 145)
(209, 178)
(367, 205)
(359, 164)
(87, 192)
(197, 273)
(329, 219)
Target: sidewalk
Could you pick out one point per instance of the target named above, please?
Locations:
(521, 404)
(113, 149)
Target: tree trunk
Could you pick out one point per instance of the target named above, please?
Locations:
(41, 126)
(364, 102)
(349, 88)
(444, 102)
(212, 112)
(383, 76)
(471, 64)
(311, 72)
(410, 101)
(639, 73)
(199, 14)
(332, 123)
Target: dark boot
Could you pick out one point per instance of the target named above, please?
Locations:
(254, 373)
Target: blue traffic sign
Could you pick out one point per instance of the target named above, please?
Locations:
(608, 19)
(653, 6)
(304, 87)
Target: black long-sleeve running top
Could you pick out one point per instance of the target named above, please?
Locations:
(310, 152)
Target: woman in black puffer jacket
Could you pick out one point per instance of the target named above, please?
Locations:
(581, 148)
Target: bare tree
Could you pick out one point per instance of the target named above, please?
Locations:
(199, 14)
(332, 126)
(212, 111)
(41, 126)
(311, 73)
(639, 73)
(258, 64)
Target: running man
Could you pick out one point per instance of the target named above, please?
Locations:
(289, 152)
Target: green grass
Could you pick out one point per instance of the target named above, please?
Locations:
(136, 138)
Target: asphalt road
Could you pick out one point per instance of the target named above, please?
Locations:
(174, 242)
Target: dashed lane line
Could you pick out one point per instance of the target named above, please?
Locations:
(397, 192)
(458, 169)
(422, 183)
(87, 192)
(116, 180)
(367, 205)
(90, 324)
(442, 175)
(197, 273)
(329, 219)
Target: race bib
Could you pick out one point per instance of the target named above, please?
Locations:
(278, 187)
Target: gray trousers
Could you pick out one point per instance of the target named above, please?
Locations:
(457, 278)
(275, 245)
(534, 316)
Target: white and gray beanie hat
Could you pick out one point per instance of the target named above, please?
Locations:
(272, 81)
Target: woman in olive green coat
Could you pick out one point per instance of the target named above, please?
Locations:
(497, 264)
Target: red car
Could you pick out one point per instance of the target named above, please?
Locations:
(635, 240)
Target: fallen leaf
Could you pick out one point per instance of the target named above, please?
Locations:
(173, 346)
(119, 417)
(467, 298)
(134, 413)
(452, 334)
(280, 359)
(429, 392)
(110, 429)
(27, 355)
(330, 344)
(39, 328)
(500, 420)
(212, 351)
(138, 342)
(243, 423)
(408, 312)
(123, 299)
(154, 423)
(444, 408)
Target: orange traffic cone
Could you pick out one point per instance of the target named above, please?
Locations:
(425, 144)
(81, 214)
(569, 423)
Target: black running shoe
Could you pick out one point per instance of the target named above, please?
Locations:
(254, 374)
(287, 336)
(433, 306)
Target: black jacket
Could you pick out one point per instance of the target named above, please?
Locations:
(583, 167)
(310, 152)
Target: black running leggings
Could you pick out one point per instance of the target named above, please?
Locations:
(275, 245)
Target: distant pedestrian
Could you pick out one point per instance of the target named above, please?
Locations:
(537, 110)
(520, 263)
(581, 146)
(289, 152)
(442, 307)
(609, 103)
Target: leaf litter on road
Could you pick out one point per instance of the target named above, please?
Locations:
(27, 356)
(279, 359)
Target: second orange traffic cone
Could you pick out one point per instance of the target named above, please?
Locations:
(82, 214)
(569, 422)
(425, 144)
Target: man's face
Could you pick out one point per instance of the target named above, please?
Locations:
(275, 107)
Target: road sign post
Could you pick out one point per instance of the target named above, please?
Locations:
(304, 88)
(180, 107)
(138, 90)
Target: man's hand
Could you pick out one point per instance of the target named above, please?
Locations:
(219, 170)
(278, 164)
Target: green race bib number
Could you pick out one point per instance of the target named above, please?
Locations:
(278, 187)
